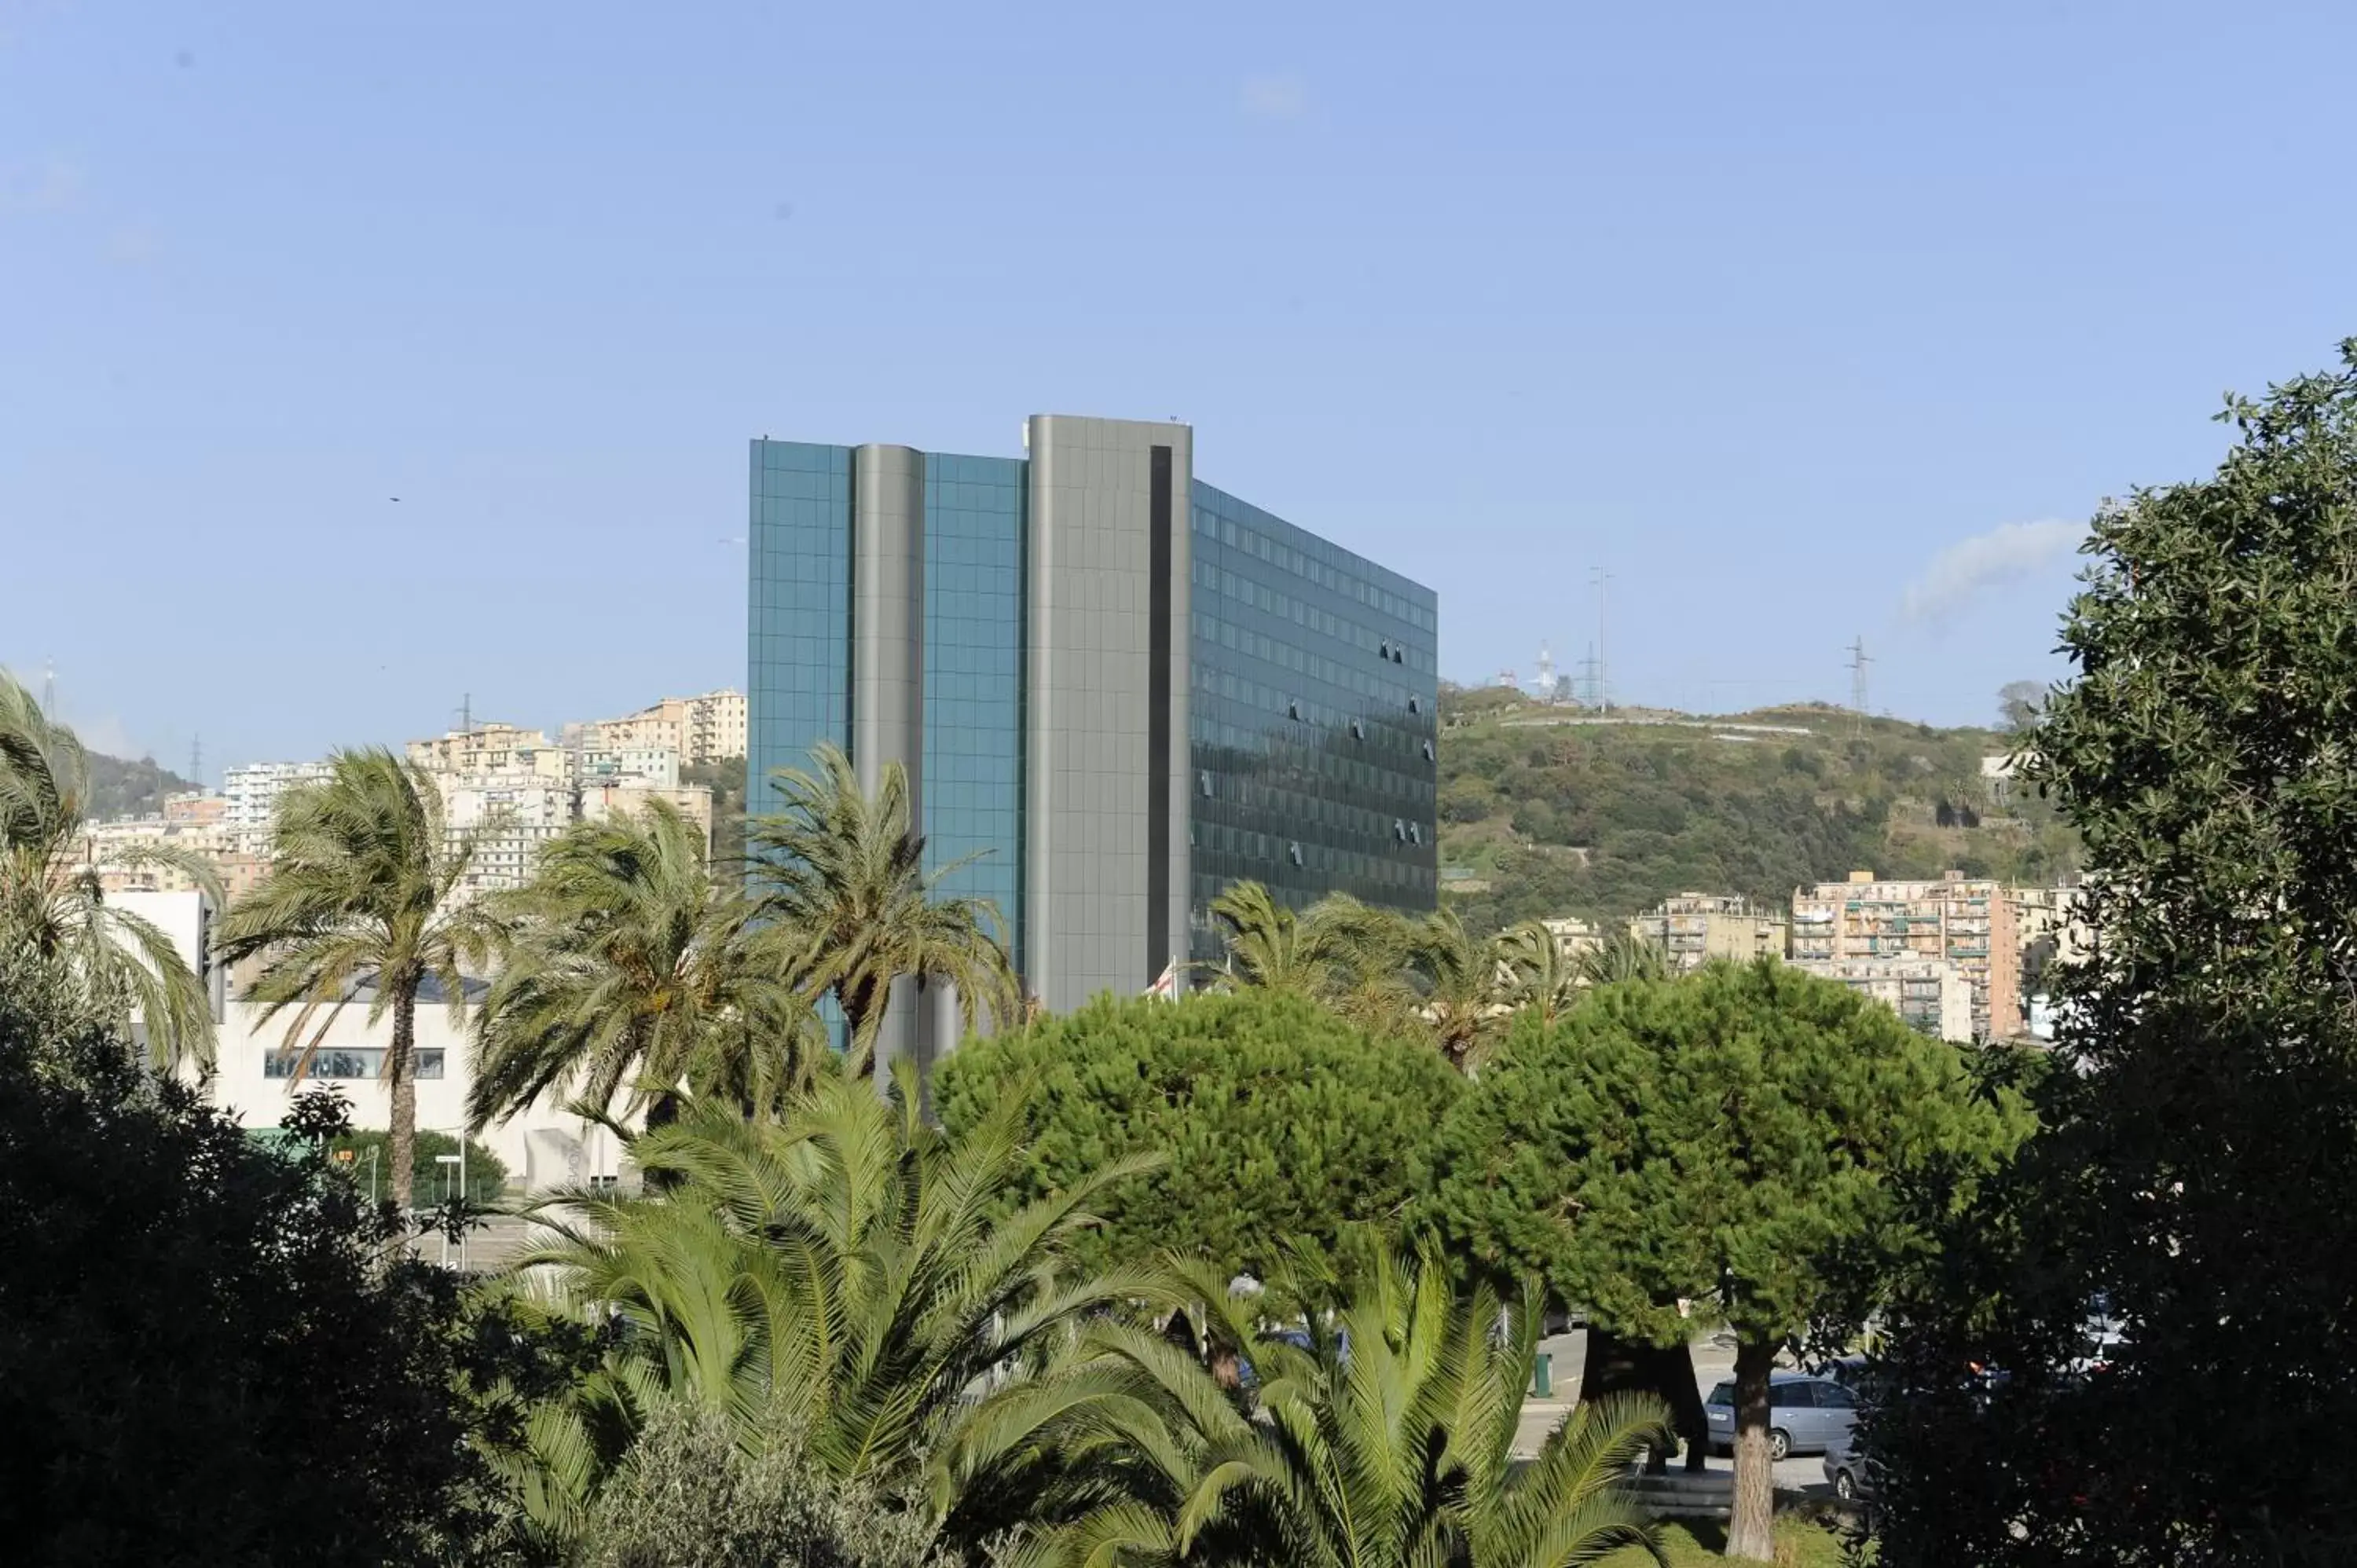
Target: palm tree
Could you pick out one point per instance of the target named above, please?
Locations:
(843, 873)
(54, 910)
(1345, 953)
(624, 963)
(364, 893)
(1374, 966)
(1540, 979)
(1624, 955)
(846, 1273)
(1267, 949)
(1457, 979)
(1376, 1431)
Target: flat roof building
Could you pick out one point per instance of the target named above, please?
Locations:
(1119, 687)
(1695, 928)
(1968, 922)
(1926, 992)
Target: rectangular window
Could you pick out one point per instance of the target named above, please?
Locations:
(347, 1062)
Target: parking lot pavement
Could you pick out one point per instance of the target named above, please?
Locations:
(1801, 1472)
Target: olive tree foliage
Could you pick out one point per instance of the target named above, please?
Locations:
(1749, 1144)
(1277, 1122)
(2194, 1172)
(690, 1495)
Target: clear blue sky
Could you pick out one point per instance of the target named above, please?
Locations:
(1764, 309)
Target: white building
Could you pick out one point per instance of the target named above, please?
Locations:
(510, 816)
(657, 765)
(1928, 994)
(543, 1149)
(250, 800)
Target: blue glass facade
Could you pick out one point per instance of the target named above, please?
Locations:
(1311, 717)
(799, 619)
(973, 773)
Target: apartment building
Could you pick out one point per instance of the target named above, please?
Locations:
(196, 807)
(1573, 936)
(494, 748)
(657, 765)
(703, 729)
(118, 850)
(509, 816)
(626, 797)
(250, 800)
(2042, 912)
(1696, 928)
(1967, 922)
(515, 789)
(1926, 992)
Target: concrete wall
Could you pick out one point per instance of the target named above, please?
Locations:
(1090, 663)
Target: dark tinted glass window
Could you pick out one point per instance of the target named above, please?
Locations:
(1832, 1396)
(1723, 1394)
(1790, 1396)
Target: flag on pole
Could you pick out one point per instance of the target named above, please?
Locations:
(1167, 987)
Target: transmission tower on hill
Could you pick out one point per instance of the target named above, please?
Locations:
(1857, 663)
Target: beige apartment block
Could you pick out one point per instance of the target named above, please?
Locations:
(1927, 994)
(1573, 936)
(628, 797)
(494, 748)
(2041, 912)
(197, 807)
(1696, 928)
(1967, 922)
(118, 851)
(701, 729)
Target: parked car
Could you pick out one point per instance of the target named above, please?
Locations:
(1805, 1414)
(1845, 1467)
(2097, 1352)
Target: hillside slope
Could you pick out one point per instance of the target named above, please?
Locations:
(1542, 814)
(120, 788)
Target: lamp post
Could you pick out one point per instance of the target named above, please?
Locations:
(460, 1160)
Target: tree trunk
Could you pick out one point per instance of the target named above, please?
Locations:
(863, 1008)
(1751, 1521)
(401, 1082)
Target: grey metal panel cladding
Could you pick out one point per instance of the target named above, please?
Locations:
(887, 613)
(887, 664)
(1088, 659)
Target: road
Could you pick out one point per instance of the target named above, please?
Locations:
(1801, 1472)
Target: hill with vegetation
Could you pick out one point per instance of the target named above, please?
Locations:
(120, 788)
(1549, 809)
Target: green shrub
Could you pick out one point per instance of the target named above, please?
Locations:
(692, 1495)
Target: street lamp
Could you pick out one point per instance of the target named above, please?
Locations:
(460, 1160)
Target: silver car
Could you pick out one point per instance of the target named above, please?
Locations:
(1805, 1414)
(1845, 1468)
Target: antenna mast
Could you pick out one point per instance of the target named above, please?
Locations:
(1597, 578)
(1857, 663)
(197, 760)
(50, 688)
